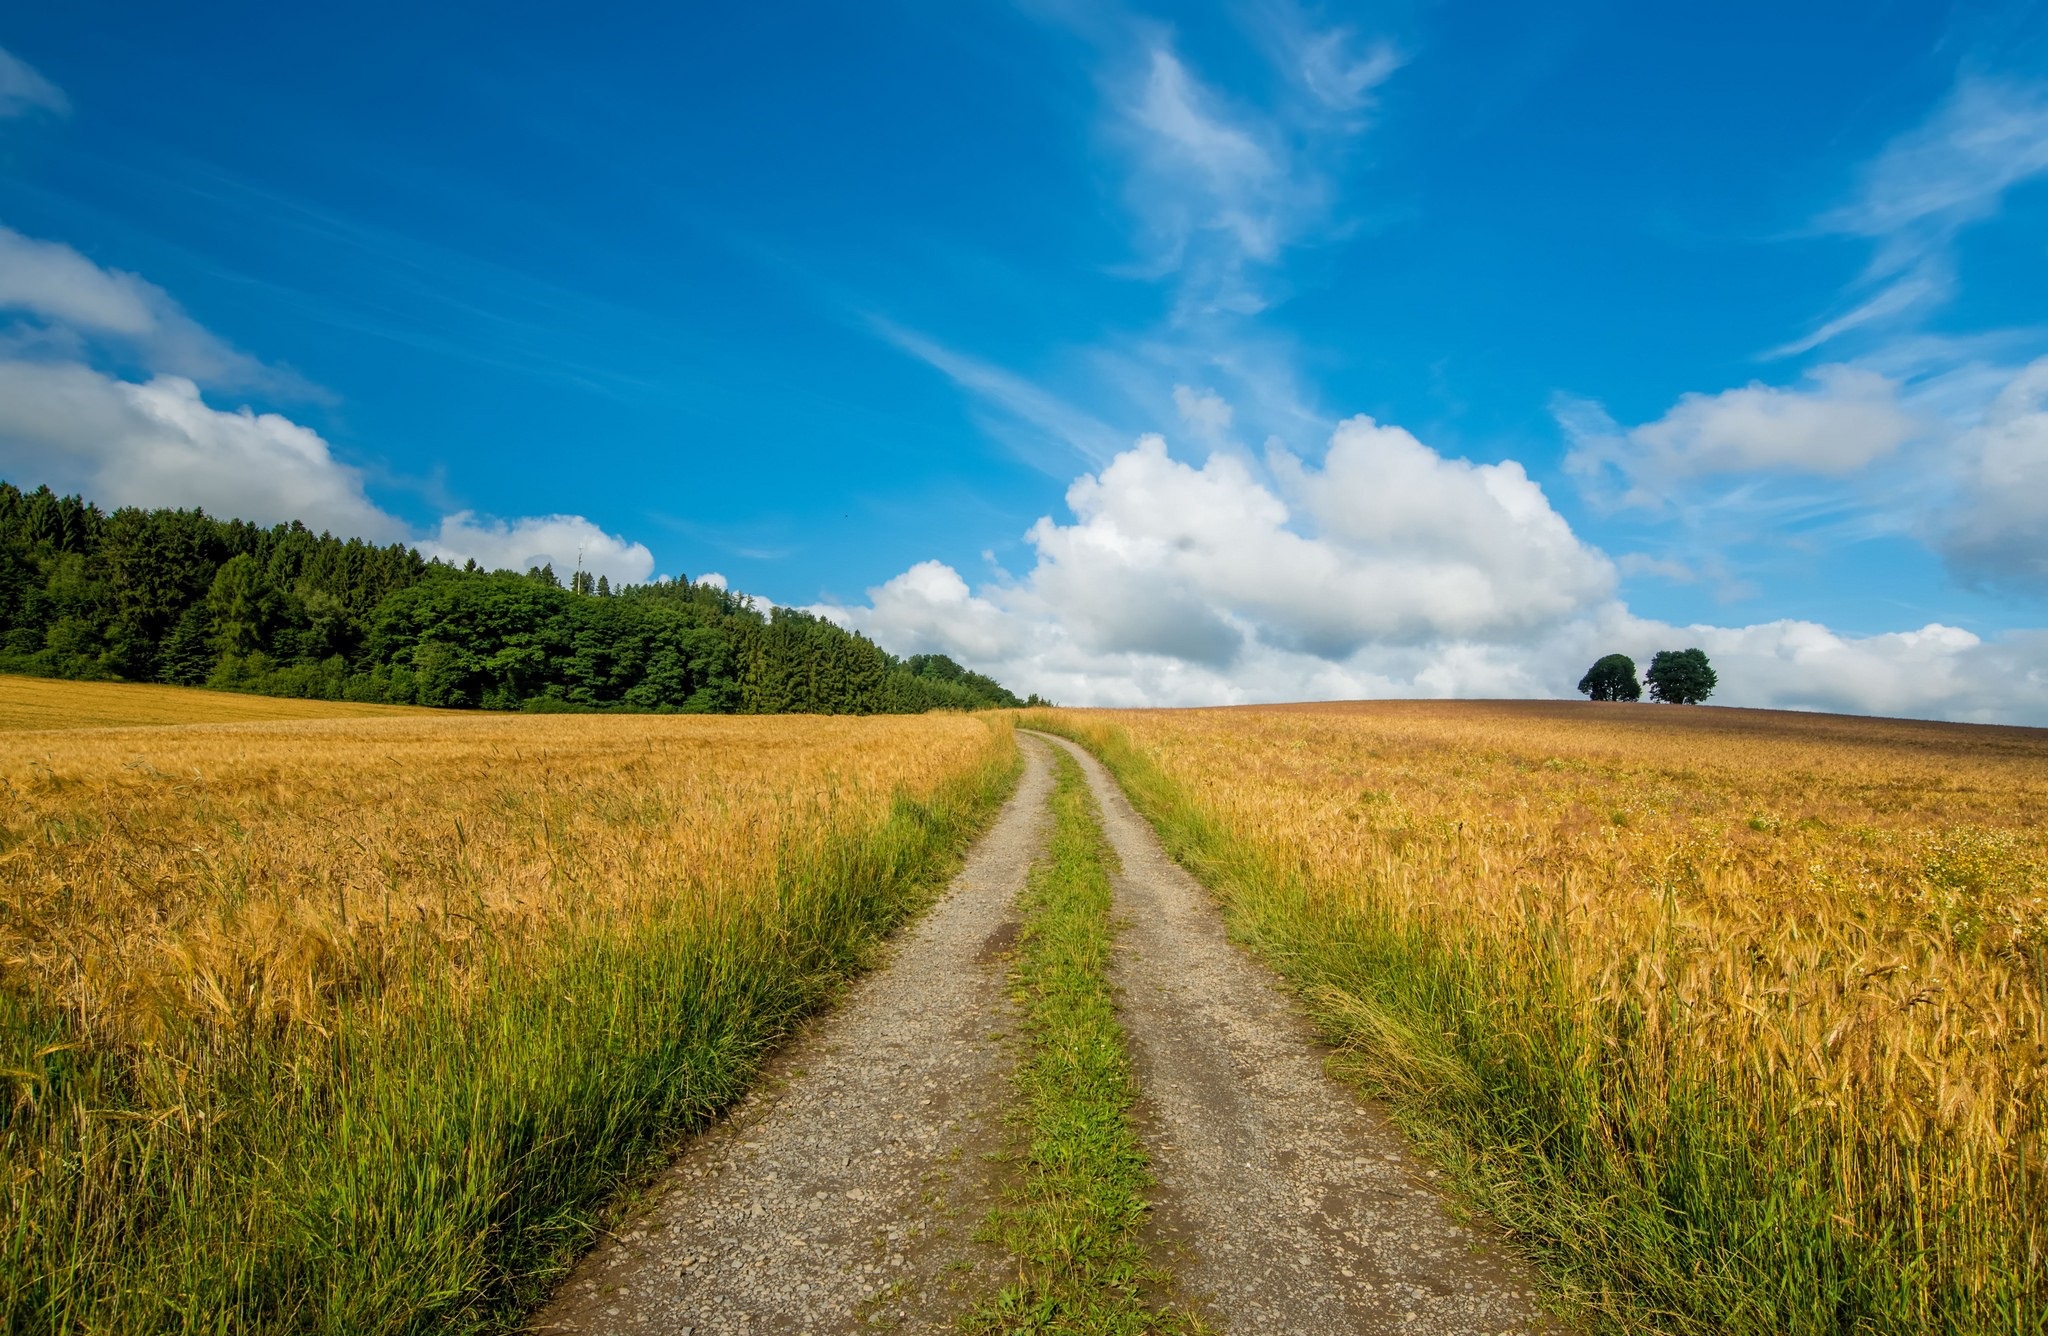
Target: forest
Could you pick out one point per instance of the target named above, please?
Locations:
(180, 597)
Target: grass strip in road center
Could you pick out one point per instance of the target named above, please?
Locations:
(1072, 1222)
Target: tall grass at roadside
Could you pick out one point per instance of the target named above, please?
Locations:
(1072, 1220)
(355, 1027)
(1737, 1019)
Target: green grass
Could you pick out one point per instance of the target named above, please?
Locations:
(435, 1170)
(1708, 1229)
(1072, 1222)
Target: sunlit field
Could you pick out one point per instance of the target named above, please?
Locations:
(352, 1024)
(1735, 1017)
(39, 703)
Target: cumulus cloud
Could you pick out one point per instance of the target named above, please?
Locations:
(1846, 419)
(1936, 671)
(1385, 570)
(1998, 532)
(73, 300)
(1201, 575)
(158, 443)
(566, 542)
(23, 89)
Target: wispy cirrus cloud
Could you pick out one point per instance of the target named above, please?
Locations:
(23, 89)
(1010, 401)
(1219, 188)
(1924, 189)
(1338, 67)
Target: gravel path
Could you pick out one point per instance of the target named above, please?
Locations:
(1283, 1202)
(843, 1194)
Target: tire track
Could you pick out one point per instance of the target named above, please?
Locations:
(842, 1195)
(1284, 1203)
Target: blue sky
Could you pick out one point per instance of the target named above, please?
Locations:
(1478, 339)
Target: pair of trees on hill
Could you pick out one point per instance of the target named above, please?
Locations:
(1676, 677)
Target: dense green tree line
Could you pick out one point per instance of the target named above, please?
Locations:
(178, 596)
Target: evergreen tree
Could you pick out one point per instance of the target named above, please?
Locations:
(178, 596)
(187, 656)
(244, 606)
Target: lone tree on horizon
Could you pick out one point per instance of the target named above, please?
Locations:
(1612, 678)
(1681, 677)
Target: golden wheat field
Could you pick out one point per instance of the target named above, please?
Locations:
(37, 704)
(258, 872)
(348, 1023)
(1772, 985)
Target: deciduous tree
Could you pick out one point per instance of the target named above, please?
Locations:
(1612, 678)
(1681, 677)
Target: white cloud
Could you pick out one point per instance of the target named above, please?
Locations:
(1387, 571)
(1925, 286)
(1203, 410)
(53, 280)
(1193, 571)
(1988, 136)
(1401, 546)
(1662, 568)
(74, 298)
(1847, 419)
(1221, 188)
(1218, 187)
(566, 542)
(1044, 418)
(1925, 188)
(1998, 531)
(1190, 139)
(23, 89)
(158, 443)
(1335, 70)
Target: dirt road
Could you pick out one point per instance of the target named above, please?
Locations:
(1283, 1201)
(843, 1197)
